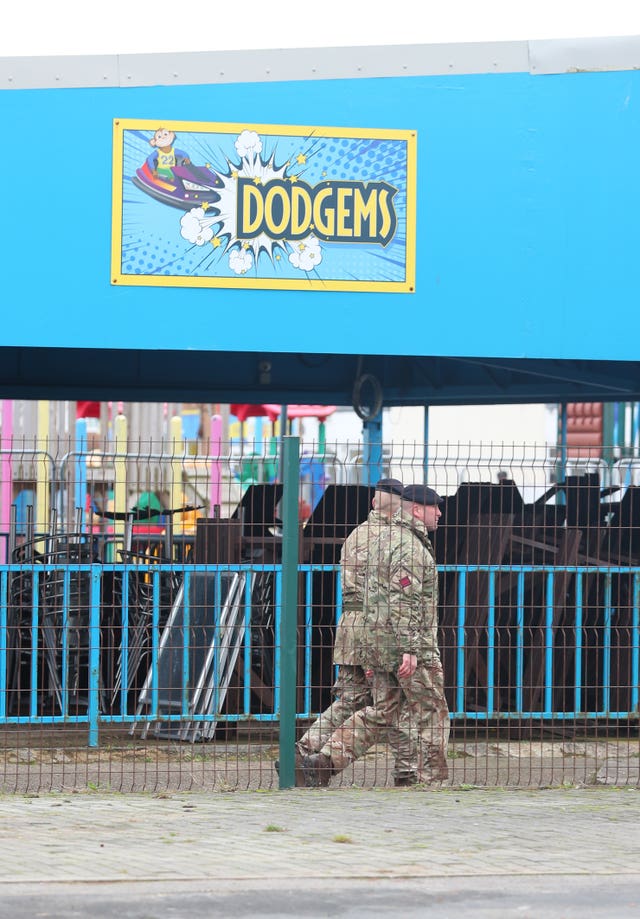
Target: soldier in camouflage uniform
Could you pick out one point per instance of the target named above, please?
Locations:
(400, 650)
(351, 688)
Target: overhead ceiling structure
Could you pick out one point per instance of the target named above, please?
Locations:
(480, 246)
(325, 379)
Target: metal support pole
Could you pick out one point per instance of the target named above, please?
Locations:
(425, 460)
(120, 496)
(289, 612)
(562, 468)
(283, 433)
(81, 469)
(43, 469)
(372, 450)
(6, 475)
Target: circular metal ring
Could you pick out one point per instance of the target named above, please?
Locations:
(364, 412)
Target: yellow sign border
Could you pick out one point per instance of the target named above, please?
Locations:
(120, 125)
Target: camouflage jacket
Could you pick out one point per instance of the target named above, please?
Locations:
(400, 613)
(348, 641)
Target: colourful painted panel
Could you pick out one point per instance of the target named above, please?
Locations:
(263, 206)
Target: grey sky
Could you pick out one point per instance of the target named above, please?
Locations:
(130, 26)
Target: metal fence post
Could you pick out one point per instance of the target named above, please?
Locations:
(93, 708)
(289, 611)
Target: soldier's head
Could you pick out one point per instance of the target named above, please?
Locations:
(387, 496)
(423, 503)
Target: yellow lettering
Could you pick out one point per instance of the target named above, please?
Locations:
(276, 229)
(323, 218)
(364, 210)
(249, 226)
(343, 211)
(300, 210)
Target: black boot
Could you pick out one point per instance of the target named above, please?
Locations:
(317, 769)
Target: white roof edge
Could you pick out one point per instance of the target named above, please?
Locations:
(577, 55)
(283, 64)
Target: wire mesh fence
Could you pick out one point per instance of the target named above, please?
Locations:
(141, 601)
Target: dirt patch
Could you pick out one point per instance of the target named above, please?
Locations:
(60, 760)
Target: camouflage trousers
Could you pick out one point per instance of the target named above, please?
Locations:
(411, 714)
(351, 692)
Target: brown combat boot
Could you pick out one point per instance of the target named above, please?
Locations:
(300, 778)
(440, 772)
(405, 780)
(317, 769)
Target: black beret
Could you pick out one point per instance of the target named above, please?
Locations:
(392, 486)
(421, 494)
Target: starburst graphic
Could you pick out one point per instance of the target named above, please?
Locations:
(197, 226)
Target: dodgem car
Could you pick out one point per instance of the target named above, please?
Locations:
(191, 186)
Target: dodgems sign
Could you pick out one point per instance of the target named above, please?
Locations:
(263, 206)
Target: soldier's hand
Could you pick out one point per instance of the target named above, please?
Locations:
(408, 665)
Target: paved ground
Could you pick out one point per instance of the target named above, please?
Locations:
(338, 852)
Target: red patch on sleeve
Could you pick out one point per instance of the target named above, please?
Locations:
(405, 581)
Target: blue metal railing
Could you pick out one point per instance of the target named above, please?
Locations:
(607, 612)
(52, 657)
